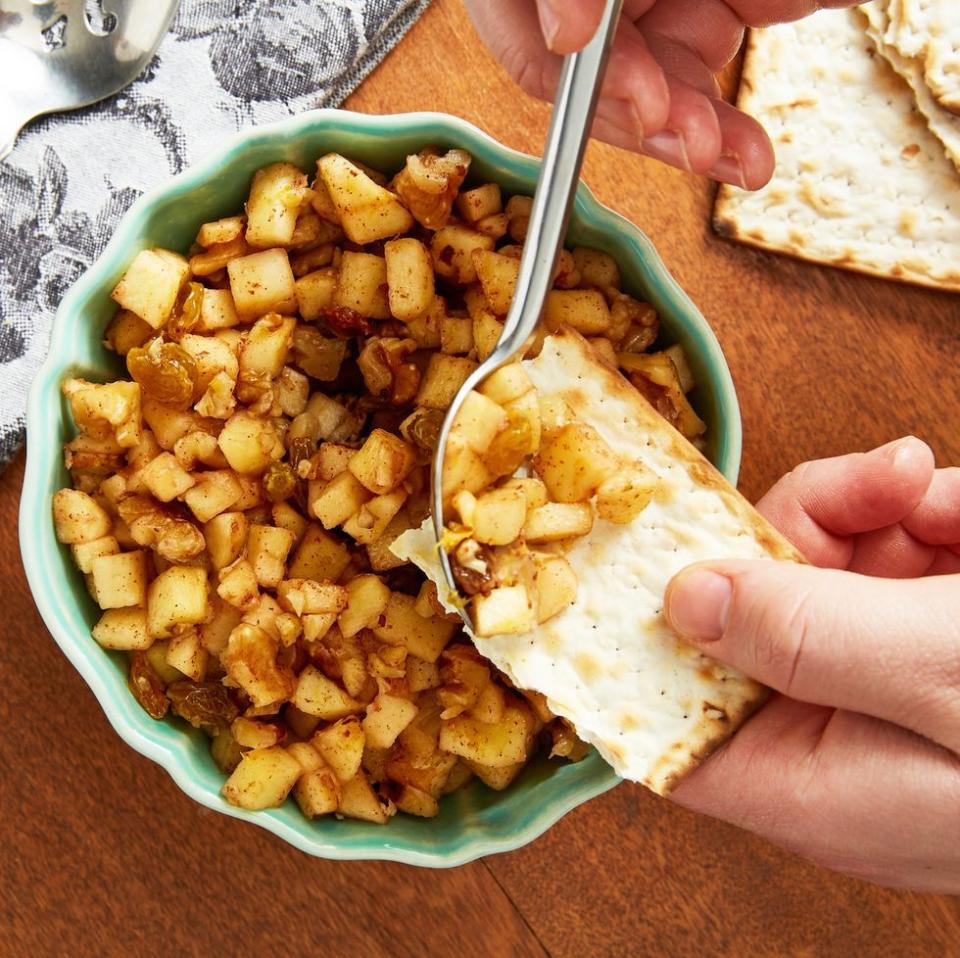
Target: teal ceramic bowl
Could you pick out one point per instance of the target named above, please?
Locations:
(475, 821)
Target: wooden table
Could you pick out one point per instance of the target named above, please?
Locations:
(103, 855)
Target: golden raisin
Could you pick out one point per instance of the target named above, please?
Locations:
(511, 446)
(279, 481)
(203, 704)
(147, 686)
(165, 371)
(422, 428)
(186, 315)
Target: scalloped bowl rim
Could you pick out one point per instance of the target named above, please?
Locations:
(88, 659)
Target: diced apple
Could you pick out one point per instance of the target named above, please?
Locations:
(335, 501)
(151, 284)
(317, 695)
(317, 793)
(286, 517)
(558, 520)
(124, 629)
(186, 653)
(225, 535)
(386, 717)
(120, 580)
(409, 278)
(358, 800)
(263, 779)
(319, 556)
(262, 283)
(574, 462)
(479, 420)
(383, 462)
(498, 277)
(85, 552)
(499, 516)
(267, 548)
(265, 349)
(315, 291)
(443, 378)
(249, 443)
(217, 311)
(505, 743)
(585, 310)
(367, 598)
(401, 624)
(626, 493)
(178, 596)
(506, 610)
(341, 745)
(166, 478)
(367, 211)
(77, 517)
(276, 194)
(238, 585)
(452, 249)
(370, 523)
(214, 493)
(309, 597)
(556, 585)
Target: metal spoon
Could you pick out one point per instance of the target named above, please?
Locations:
(64, 54)
(572, 118)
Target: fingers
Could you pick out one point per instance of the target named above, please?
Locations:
(635, 97)
(567, 26)
(852, 793)
(511, 30)
(692, 139)
(761, 13)
(674, 118)
(746, 158)
(891, 553)
(884, 647)
(945, 562)
(633, 75)
(709, 29)
(936, 518)
(705, 135)
(682, 63)
(821, 504)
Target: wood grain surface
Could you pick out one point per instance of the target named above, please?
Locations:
(103, 855)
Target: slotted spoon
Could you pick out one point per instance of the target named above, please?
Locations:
(576, 101)
(64, 54)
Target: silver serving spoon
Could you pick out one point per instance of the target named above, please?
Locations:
(570, 123)
(64, 54)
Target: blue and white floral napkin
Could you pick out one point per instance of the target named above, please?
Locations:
(226, 64)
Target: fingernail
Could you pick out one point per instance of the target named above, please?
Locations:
(898, 451)
(698, 604)
(549, 21)
(669, 146)
(729, 169)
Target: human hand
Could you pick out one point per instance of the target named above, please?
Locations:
(855, 763)
(660, 95)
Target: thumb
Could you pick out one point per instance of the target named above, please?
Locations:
(887, 648)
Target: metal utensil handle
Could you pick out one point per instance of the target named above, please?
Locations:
(572, 118)
(577, 93)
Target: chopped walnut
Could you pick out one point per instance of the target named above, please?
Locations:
(386, 372)
(428, 184)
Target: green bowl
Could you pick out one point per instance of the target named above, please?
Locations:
(475, 821)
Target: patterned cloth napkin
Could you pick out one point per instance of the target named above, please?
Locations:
(225, 64)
